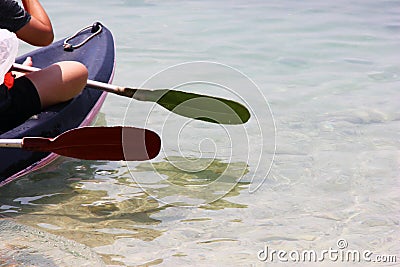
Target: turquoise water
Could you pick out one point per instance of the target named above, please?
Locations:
(318, 161)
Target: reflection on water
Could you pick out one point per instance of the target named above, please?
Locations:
(97, 204)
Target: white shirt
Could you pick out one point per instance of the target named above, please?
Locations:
(8, 51)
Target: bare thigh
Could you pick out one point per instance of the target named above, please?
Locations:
(59, 82)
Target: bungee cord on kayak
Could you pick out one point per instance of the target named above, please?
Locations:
(96, 28)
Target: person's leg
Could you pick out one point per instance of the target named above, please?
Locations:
(59, 82)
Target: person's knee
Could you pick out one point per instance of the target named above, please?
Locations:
(77, 72)
(82, 73)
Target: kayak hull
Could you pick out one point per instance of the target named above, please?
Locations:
(98, 55)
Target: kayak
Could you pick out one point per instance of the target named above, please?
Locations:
(94, 47)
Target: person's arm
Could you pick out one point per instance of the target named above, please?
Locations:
(38, 31)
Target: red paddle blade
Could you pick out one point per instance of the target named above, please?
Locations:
(100, 143)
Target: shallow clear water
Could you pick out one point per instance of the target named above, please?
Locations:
(330, 73)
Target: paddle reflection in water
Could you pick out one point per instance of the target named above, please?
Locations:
(97, 203)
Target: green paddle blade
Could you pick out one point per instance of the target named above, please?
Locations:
(196, 106)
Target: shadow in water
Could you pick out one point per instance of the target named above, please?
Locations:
(73, 199)
(201, 182)
(96, 203)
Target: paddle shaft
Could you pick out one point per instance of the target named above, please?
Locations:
(15, 143)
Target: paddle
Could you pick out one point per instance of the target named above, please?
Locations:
(191, 105)
(95, 143)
